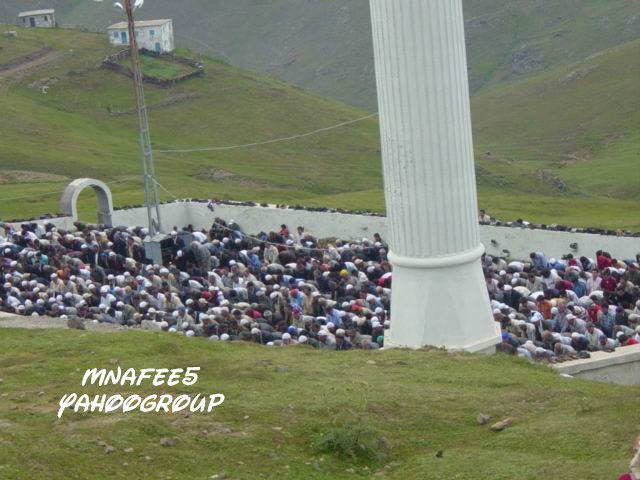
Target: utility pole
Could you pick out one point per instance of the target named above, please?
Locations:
(146, 150)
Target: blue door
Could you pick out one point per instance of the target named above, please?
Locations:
(157, 47)
(123, 37)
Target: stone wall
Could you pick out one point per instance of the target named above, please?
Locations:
(111, 63)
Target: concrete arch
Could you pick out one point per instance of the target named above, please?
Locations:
(69, 200)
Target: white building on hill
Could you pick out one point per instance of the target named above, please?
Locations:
(37, 19)
(154, 35)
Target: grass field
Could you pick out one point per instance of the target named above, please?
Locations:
(281, 402)
(159, 68)
(578, 131)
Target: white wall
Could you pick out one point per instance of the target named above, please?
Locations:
(621, 367)
(163, 34)
(519, 241)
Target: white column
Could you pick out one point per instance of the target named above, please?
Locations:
(439, 294)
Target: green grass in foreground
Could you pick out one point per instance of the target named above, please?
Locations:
(278, 401)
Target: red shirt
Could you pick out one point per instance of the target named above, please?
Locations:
(608, 284)
(593, 313)
(604, 262)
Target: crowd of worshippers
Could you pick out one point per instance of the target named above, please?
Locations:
(558, 309)
(286, 288)
(279, 288)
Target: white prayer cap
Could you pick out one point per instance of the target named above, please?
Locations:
(190, 333)
(331, 325)
(502, 273)
(387, 323)
(286, 336)
(255, 331)
(496, 311)
(322, 333)
(302, 339)
(554, 311)
(102, 306)
(507, 288)
(214, 337)
(143, 304)
(512, 316)
(244, 322)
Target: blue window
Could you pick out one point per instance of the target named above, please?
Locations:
(115, 35)
(152, 32)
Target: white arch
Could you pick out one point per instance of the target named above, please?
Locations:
(69, 199)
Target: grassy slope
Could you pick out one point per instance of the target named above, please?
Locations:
(578, 124)
(421, 402)
(326, 46)
(229, 106)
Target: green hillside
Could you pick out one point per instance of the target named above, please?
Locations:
(560, 147)
(326, 46)
(85, 126)
(281, 404)
(571, 132)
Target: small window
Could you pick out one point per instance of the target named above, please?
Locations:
(152, 32)
(137, 33)
(46, 19)
(115, 35)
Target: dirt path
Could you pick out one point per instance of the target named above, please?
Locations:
(33, 64)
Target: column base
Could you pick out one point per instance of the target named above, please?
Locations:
(442, 303)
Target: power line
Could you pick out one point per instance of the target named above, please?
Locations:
(268, 142)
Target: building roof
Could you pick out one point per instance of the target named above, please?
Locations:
(31, 13)
(140, 24)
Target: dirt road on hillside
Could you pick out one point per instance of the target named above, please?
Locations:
(42, 61)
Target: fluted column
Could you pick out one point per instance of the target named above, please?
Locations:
(439, 295)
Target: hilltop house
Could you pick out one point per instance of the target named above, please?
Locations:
(154, 35)
(37, 19)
